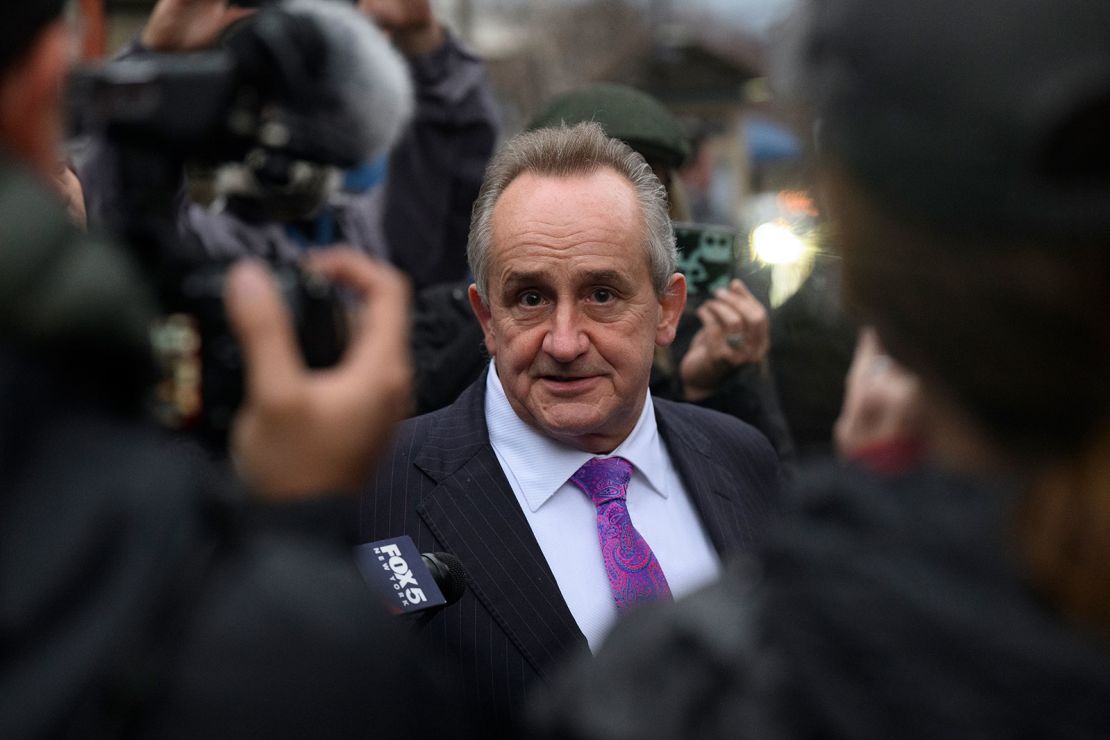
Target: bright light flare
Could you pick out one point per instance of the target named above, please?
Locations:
(775, 243)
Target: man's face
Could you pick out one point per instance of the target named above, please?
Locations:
(573, 319)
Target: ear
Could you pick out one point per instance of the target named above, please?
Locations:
(671, 304)
(481, 310)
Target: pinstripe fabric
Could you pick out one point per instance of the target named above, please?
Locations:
(443, 486)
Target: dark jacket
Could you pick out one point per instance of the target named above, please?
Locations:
(141, 594)
(443, 486)
(878, 610)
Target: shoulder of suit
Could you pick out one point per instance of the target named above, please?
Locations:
(721, 436)
(457, 426)
(705, 419)
(419, 427)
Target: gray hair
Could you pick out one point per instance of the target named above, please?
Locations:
(566, 151)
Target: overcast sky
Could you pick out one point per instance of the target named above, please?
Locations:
(754, 15)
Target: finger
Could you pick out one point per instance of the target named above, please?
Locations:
(867, 348)
(758, 342)
(260, 321)
(234, 15)
(868, 344)
(382, 332)
(737, 286)
(758, 327)
(379, 12)
(727, 297)
(731, 320)
(709, 321)
(741, 299)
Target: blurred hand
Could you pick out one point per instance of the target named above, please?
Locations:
(189, 25)
(68, 187)
(735, 331)
(882, 406)
(300, 431)
(411, 24)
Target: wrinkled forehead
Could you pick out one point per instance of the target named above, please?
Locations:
(581, 217)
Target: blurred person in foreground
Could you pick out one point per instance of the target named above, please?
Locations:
(880, 423)
(570, 494)
(970, 599)
(142, 594)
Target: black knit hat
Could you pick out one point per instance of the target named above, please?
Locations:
(987, 115)
(624, 113)
(20, 23)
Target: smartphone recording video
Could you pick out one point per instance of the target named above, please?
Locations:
(707, 255)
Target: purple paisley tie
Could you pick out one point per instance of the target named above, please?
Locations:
(634, 573)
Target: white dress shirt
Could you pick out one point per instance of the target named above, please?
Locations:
(564, 519)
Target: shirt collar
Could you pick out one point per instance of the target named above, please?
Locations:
(542, 465)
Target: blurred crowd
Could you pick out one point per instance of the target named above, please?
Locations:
(277, 292)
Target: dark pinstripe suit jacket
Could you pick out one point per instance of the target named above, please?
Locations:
(442, 485)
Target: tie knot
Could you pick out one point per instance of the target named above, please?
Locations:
(604, 479)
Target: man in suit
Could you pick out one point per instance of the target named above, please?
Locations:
(569, 494)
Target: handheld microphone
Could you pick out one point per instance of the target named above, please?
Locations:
(409, 581)
(448, 573)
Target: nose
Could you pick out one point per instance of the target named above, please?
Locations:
(565, 340)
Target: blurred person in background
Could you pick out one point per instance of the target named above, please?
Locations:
(409, 202)
(436, 168)
(144, 594)
(969, 598)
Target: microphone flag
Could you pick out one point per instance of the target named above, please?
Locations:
(394, 568)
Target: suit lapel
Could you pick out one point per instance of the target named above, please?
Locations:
(707, 482)
(473, 512)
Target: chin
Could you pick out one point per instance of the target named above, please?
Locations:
(587, 430)
(568, 427)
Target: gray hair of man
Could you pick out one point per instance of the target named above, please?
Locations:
(569, 151)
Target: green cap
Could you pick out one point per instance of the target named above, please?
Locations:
(625, 113)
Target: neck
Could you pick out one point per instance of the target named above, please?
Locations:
(1061, 529)
(954, 441)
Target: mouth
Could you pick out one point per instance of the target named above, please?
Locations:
(568, 384)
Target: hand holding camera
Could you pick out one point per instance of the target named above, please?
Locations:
(303, 431)
(316, 395)
(410, 24)
(190, 25)
(735, 331)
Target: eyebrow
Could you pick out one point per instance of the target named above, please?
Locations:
(514, 279)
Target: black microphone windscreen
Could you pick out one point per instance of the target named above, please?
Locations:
(448, 572)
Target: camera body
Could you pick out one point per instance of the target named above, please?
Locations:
(234, 105)
(201, 385)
